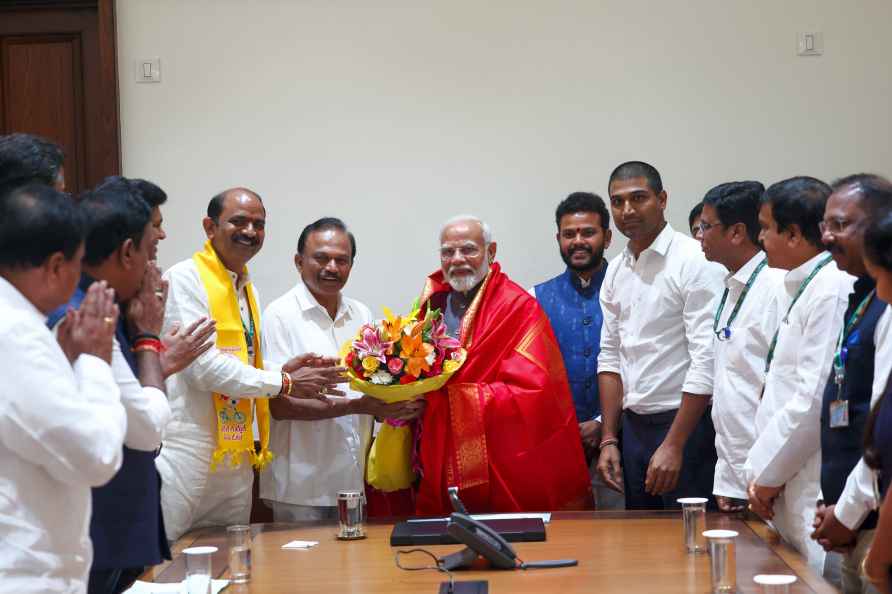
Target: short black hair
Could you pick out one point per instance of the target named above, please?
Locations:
(738, 202)
(115, 213)
(582, 202)
(875, 190)
(799, 201)
(695, 212)
(26, 158)
(37, 221)
(321, 225)
(633, 169)
(216, 204)
(150, 192)
(878, 239)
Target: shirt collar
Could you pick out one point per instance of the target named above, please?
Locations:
(12, 296)
(593, 283)
(794, 278)
(660, 244)
(307, 302)
(246, 278)
(743, 275)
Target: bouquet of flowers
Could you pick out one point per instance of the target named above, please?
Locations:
(398, 359)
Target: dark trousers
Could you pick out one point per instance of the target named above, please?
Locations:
(642, 435)
(112, 581)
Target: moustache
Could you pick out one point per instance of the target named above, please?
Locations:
(330, 277)
(582, 248)
(245, 239)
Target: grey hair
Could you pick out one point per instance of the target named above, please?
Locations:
(484, 226)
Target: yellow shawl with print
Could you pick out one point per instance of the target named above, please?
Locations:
(235, 421)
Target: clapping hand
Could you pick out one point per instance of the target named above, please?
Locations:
(145, 311)
(90, 329)
(183, 345)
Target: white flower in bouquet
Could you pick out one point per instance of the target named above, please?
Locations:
(381, 377)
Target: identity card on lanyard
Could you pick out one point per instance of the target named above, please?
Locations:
(839, 408)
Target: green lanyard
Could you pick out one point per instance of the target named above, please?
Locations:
(725, 333)
(802, 287)
(842, 349)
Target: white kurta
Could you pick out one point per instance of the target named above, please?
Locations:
(314, 459)
(740, 372)
(191, 495)
(787, 451)
(61, 432)
(657, 330)
(148, 411)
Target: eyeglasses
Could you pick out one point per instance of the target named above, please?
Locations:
(467, 251)
(704, 226)
(835, 226)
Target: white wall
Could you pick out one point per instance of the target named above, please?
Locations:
(397, 114)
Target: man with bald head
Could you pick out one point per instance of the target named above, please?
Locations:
(208, 452)
(503, 429)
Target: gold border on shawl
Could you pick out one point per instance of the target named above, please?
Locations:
(426, 293)
(469, 434)
(528, 338)
(467, 323)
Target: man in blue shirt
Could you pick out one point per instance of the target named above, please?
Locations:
(571, 302)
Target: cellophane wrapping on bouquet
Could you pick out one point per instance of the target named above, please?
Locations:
(395, 360)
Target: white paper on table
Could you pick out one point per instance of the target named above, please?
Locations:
(139, 587)
(545, 517)
(300, 544)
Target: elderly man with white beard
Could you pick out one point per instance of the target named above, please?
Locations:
(503, 429)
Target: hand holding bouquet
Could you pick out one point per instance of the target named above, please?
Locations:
(398, 359)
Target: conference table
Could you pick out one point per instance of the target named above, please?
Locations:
(618, 552)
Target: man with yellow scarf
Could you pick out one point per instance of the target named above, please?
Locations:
(208, 451)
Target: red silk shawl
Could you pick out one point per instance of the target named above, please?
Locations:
(503, 429)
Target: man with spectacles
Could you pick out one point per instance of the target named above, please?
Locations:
(503, 429)
(655, 367)
(729, 228)
(783, 466)
(845, 520)
(571, 302)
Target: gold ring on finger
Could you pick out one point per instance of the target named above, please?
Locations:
(108, 320)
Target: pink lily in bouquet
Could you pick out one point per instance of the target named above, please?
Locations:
(440, 338)
(371, 345)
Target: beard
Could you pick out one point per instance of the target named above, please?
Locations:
(465, 283)
(593, 262)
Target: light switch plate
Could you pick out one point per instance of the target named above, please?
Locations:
(148, 70)
(810, 43)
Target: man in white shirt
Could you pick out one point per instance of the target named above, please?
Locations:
(655, 367)
(192, 494)
(320, 445)
(62, 423)
(126, 527)
(783, 466)
(845, 520)
(729, 228)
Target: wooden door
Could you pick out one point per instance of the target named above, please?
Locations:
(58, 79)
